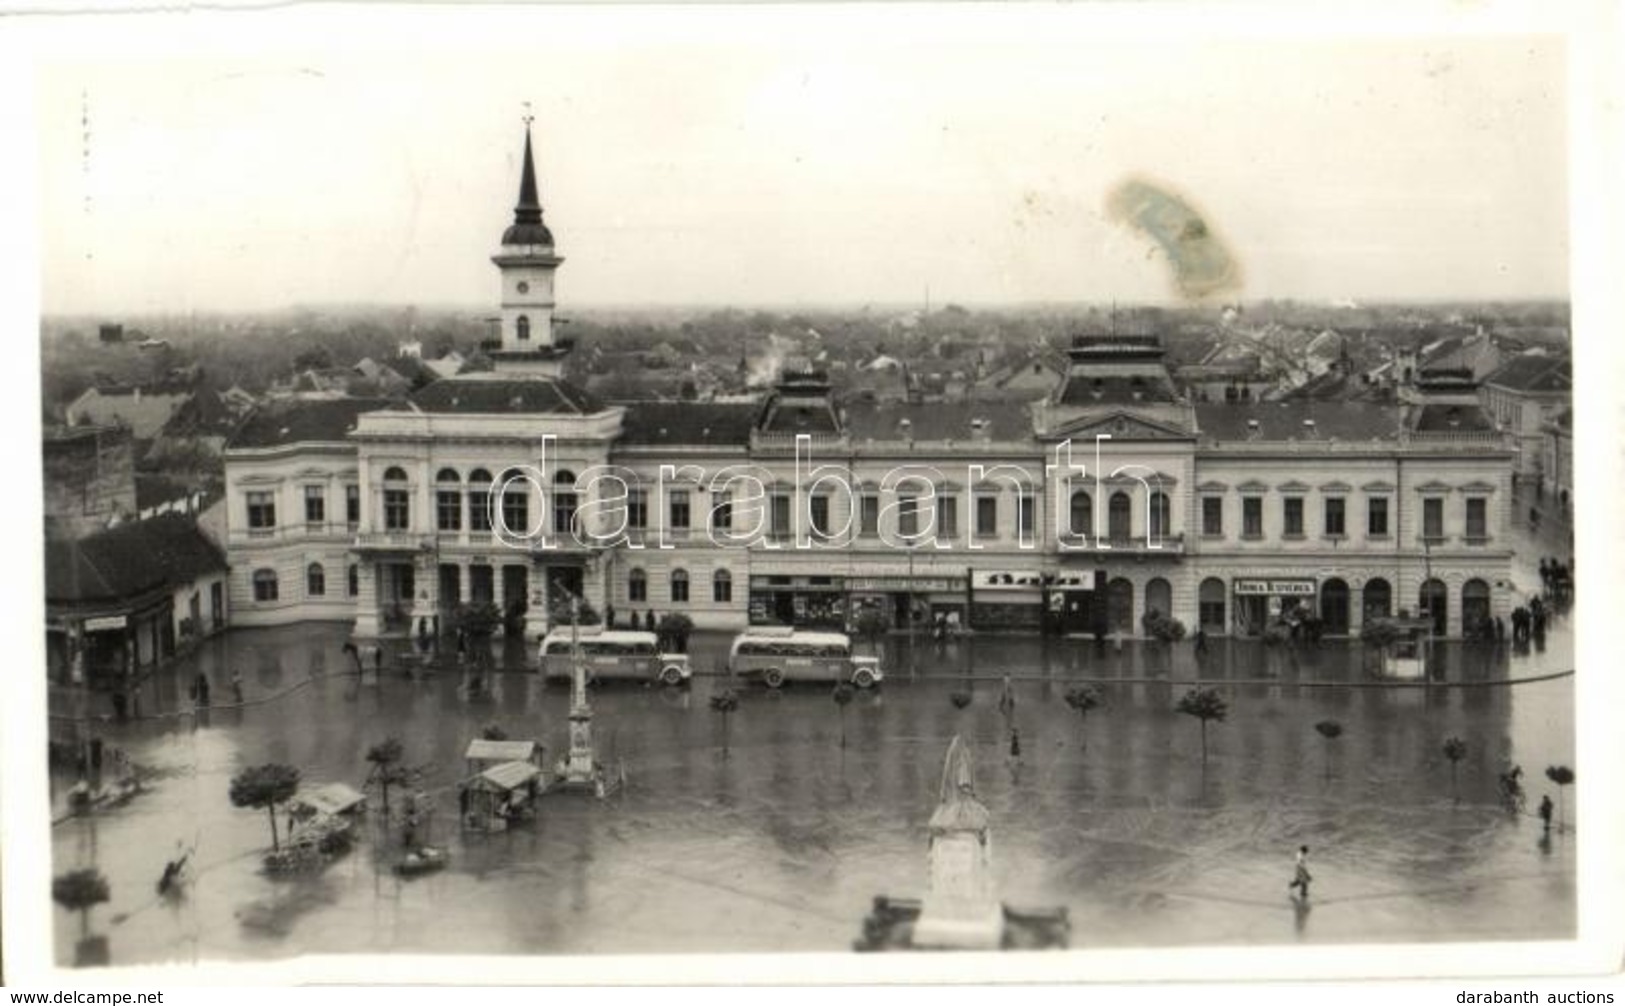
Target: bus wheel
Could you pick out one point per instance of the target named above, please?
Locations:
(671, 675)
(773, 677)
(864, 678)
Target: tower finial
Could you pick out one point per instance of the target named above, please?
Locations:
(527, 118)
(528, 228)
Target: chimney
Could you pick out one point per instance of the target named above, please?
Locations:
(1309, 429)
(981, 430)
(1253, 431)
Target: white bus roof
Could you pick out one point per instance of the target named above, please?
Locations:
(796, 636)
(608, 635)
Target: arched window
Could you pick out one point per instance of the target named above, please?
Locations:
(564, 501)
(722, 587)
(1434, 599)
(679, 586)
(353, 574)
(1334, 607)
(1120, 516)
(1159, 595)
(1475, 608)
(1161, 517)
(637, 586)
(515, 502)
(265, 585)
(448, 500)
(1210, 604)
(394, 474)
(479, 500)
(523, 328)
(1083, 513)
(448, 475)
(315, 580)
(1120, 605)
(1378, 598)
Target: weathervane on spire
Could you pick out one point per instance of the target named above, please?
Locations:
(527, 117)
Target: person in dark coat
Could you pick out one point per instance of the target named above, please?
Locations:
(1546, 814)
(649, 620)
(1201, 641)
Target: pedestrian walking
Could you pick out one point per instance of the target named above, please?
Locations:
(200, 689)
(1201, 641)
(649, 620)
(1300, 874)
(1500, 631)
(1007, 697)
(237, 687)
(1015, 743)
(609, 616)
(1546, 814)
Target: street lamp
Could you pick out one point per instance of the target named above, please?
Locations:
(912, 663)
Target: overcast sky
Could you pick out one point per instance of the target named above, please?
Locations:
(832, 156)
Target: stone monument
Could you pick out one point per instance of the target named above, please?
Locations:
(961, 911)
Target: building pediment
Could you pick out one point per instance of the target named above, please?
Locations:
(1294, 487)
(1478, 487)
(1335, 487)
(1434, 486)
(1211, 486)
(1253, 486)
(1119, 426)
(1378, 487)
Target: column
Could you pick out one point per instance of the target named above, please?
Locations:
(536, 614)
(366, 600)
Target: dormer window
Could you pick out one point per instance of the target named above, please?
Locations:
(523, 329)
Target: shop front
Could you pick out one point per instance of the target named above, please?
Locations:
(921, 601)
(1007, 599)
(808, 602)
(1076, 601)
(1261, 604)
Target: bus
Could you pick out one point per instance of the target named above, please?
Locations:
(778, 654)
(612, 654)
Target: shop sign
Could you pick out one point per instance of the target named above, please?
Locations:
(106, 624)
(1278, 587)
(1010, 580)
(884, 584)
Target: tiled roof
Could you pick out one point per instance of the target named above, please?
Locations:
(1285, 420)
(1125, 389)
(491, 395)
(936, 421)
(131, 559)
(688, 423)
(303, 421)
(1534, 374)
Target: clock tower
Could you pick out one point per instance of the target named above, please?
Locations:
(527, 262)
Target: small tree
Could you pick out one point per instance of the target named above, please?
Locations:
(1563, 776)
(478, 622)
(1204, 704)
(725, 703)
(387, 768)
(1331, 730)
(80, 891)
(843, 697)
(1161, 627)
(1455, 749)
(675, 628)
(871, 624)
(1083, 698)
(492, 732)
(960, 698)
(265, 786)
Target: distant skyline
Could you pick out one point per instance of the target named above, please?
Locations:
(804, 157)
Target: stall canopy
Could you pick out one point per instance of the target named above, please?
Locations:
(507, 776)
(500, 751)
(333, 799)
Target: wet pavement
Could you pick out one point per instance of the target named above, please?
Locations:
(761, 833)
(780, 842)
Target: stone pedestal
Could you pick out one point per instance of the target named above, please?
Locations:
(579, 768)
(961, 910)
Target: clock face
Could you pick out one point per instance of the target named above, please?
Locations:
(524, 287)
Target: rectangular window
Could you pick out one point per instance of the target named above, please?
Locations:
(1252, 516)
(818, 514)
(637, 509)
(516, 509)
(352, 506)
(397, 510)
(1478, 528)
(564, 512)
(261, 511)
(779, 514)
(1433, 519)
(947, 517)
(1213, 516)
(1292, 517)
(722, 588)
(315, 505)
(908, 516)
(869, 515)
(1026, 507)
(637, 587)
(722, 512)
(987, 516)
(1376, 517)
(679, 510)
(479, 509)
(448, 510)
(1334, 517)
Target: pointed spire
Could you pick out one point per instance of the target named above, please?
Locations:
(528, 228)
(529, 208)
